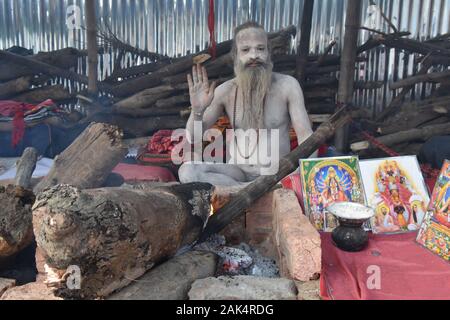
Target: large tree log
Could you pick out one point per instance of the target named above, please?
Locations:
(88, 161)
(16, 230)
(65, 59)
(36, 96)
(263, 184)
(115, 235)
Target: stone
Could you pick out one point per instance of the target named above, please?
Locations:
(171, 280)
(297, 241)
(308, 290)
(31, 291)
(6, 284)
(243, 288)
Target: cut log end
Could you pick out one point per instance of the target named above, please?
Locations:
(16, 230)
(114, 235)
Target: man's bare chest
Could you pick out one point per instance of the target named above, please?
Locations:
(276, 112)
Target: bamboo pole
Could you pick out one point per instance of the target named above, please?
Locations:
(91, 35)
(348, 63)
(303, 48)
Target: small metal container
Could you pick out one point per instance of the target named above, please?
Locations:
(350, 235)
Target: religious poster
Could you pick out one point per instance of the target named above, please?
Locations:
(396, 190)
(326, 181)
(435, 231)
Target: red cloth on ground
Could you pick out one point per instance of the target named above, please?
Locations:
(18, 110)
(407, 270)
(132, 172)
(161, 143)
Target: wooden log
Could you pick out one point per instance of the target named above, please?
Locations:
(91, 36)
(397, 101)
(140, 127)
(263, 184)
(14, 87)
(65, 59)
(144, 98)
(114, 235)
(429, 77)
(278, 42)
(155, 112)
(421, 134)
(305, 39)
(25, 168)
(40, 67)
(16, 231)
(38, 95)
(348, 66)
(88, 161)
(134, 71)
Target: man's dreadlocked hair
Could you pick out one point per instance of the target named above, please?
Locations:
(242, 27)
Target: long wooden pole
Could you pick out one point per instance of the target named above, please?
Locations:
(348, 64)
(91, 35)
(263, 184)
(303, 48)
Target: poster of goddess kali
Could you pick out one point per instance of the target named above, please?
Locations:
(326, 181)
(396, 190)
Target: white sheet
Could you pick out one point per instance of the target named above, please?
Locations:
(42, 168)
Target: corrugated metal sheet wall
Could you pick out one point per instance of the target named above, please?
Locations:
(176, 27)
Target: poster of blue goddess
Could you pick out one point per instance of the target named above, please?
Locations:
(326, 181)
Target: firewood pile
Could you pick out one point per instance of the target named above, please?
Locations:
(406, 123)
(148, 97)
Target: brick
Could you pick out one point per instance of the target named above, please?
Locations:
(298, 242)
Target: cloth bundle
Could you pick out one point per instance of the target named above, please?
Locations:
(20, 113)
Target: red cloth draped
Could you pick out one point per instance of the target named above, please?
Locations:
(406, 271)
(18, 110)
(211, 27)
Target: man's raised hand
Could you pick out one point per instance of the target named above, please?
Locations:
(201, 93)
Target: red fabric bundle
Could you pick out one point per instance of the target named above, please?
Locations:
(18, 110)
(161, 143)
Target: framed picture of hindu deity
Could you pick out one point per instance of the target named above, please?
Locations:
(435, 231)
(326, 181)
(396, 190)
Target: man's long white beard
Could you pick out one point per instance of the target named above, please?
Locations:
(254, 83)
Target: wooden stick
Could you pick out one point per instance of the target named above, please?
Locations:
(348, 65)
(303, 48)
(25, 168)
(91, 36)
(422, 134)
(263, 184)
(429, 77)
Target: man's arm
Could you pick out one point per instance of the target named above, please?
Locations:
(297, 111)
